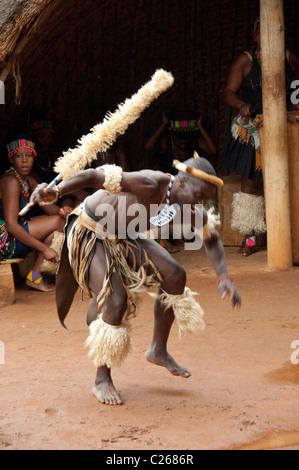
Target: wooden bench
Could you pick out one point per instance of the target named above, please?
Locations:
(7, 285)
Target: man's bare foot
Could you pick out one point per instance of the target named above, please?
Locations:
(105, 392)
(168, 362)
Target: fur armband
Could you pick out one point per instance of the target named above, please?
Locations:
(212, 224)
(113, 177)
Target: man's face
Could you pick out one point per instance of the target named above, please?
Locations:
(194, 191)
(45, 138)
(182, 141)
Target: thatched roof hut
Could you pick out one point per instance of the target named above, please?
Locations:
(75, 60)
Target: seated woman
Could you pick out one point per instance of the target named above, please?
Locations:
(34, 232)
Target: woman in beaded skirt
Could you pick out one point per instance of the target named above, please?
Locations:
(242, 152)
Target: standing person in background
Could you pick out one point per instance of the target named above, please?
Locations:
(178, 137)
(242, 154)
(180, 134)
(42, 133)
(115, 155)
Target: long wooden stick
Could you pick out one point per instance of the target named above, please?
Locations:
(31, 204)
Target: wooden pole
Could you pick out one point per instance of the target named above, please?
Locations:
(275, 147)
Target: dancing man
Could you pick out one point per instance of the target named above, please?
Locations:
(103, 256)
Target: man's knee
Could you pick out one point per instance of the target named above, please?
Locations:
(176, 280)
(114, 308)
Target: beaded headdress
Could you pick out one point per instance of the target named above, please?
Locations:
(39, 125)
(22, 143)
(183, 121)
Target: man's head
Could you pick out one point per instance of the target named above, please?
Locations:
(43, 133)
(184, 140)
(191, 189)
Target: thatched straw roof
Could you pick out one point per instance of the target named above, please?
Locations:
(16, 17)
(76, 59)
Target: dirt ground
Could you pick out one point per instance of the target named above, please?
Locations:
(243, 392)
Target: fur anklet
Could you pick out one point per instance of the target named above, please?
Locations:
(109, 345)
(188, 312)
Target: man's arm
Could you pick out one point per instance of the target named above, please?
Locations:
(153, 140)
(215, 251)
(140, 183)
(204, 141)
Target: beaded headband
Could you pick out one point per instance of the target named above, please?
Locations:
(24, 144)
(38, 125)
(198, 173)
(182, 121)
(183, 125)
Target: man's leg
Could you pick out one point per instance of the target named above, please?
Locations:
(111, 320)
(157, 353)
(174, 281)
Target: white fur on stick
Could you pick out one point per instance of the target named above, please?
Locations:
(104, 134)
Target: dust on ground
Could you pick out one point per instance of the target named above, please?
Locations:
(243, 392)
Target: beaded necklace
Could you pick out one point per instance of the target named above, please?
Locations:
(168, 213)
(167, 191)
(24, 184)
(258, 55)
